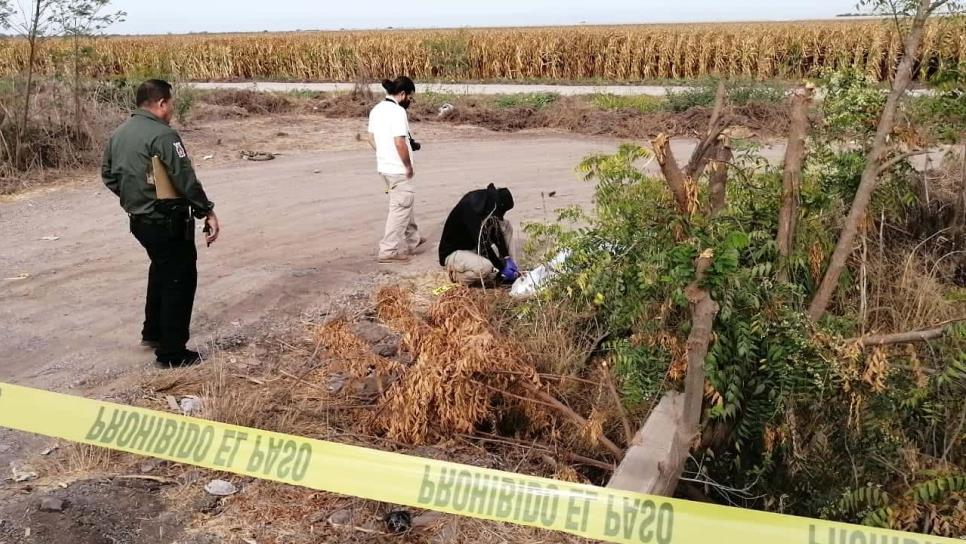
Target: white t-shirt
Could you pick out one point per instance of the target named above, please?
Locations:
(387, 121)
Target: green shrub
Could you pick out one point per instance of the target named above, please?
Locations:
(739, 94)
(792, 418)
(642, 103)
(682, 100)
(535, 101)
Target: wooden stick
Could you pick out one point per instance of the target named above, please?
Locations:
(909, 337)
(718, 185)
(576, 418)
(571, 457)
(792, 175)
(628, 431)
(157, 479)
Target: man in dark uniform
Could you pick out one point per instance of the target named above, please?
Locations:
(147, 166)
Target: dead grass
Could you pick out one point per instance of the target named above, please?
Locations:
(461, 367)
(909, 293)
(453, 393)
(52, 139)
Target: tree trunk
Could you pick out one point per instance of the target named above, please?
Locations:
(654, 462)
(792, 176)
(676, 180)
(77, 92)
(718, 186)
(32, 41)
(874, 161)
(703, 311)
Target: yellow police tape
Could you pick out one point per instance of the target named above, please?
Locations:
(593, 512)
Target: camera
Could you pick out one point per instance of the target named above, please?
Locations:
(414, 144)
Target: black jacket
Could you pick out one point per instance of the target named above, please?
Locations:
(471, 226)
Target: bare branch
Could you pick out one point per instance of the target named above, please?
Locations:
(545, 398)
(909, 337)
(899, 158)
(719, 122)
(625, 421)
(874, 161)
(937, 4)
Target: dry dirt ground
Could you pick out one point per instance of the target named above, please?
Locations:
(297, 230)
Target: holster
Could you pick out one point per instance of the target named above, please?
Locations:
(176, 210)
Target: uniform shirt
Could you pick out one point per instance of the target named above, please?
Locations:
(387, 121)
(126, 169)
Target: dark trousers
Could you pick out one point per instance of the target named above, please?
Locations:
(172, 280)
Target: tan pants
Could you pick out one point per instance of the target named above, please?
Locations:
(402, 234)
(469, 268)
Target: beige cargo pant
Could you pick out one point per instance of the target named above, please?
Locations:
(402, 234)
(468, 268)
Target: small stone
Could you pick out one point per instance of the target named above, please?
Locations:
(341, 518)
(51, 504)
(399, 522)
(370, 332)
(221, 488)
(149, 466)
(336, 383)
(386, 349)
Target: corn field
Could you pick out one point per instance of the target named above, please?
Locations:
(617, 53)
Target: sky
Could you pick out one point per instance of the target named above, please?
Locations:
(182, 16)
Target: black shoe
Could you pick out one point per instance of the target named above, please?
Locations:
(179, 360)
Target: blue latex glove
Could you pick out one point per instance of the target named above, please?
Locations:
(510, 271)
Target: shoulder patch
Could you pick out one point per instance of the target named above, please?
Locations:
(180, 149)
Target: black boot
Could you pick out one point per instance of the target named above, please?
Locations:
(180, 360)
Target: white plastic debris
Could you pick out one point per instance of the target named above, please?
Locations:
(190, 405)
(220, 488)
(445, 109)
(22, 473)
(532, 282)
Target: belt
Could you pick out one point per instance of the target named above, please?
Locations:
(148, 219)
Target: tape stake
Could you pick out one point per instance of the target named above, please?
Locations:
(592, 512)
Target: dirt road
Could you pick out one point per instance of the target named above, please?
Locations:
(291, 236)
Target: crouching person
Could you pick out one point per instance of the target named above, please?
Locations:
(476, 241)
